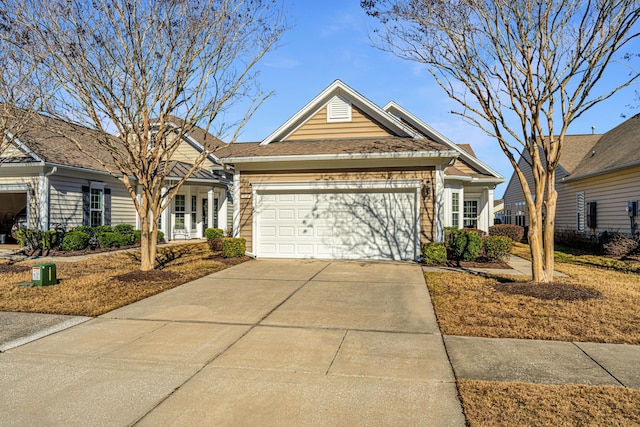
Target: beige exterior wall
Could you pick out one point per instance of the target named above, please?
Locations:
(427, 208)
(610, 191)
(188, 153)
(317, 127)
(65, 200)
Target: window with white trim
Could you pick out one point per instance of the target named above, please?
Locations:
(455, 210)
(179, 204)
(470, 213)
(194, 208)
(96, 206)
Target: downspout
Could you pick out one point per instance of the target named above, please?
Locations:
(45, 193)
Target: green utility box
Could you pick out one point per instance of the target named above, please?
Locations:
(43, 274)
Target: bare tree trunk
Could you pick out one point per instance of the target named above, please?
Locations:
(146, 260)
(549, 226)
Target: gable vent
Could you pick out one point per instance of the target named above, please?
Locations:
(339, 110)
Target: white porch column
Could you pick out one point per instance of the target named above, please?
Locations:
(210, 196)
(164, 218)
(223, 207)
(440, 203)
(490, 211)
(43, 202)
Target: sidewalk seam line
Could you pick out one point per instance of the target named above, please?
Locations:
(598, 363)
(337, 351)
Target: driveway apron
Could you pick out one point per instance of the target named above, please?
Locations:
(267, 342)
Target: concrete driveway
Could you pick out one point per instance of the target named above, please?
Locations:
(267, 342)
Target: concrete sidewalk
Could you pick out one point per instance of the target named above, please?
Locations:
(266, 342)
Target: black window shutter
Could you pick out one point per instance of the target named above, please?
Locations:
(86, 198)
(107, 206)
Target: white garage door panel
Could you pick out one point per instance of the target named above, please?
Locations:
(338, 224)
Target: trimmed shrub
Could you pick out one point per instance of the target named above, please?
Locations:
(75, 241)
(434, 253)
(49, 239)
(31, 238)
(477, 231)
(126, 229)
(102, 229)
(466, 245)
(160, 236)
(85, 229)
(514, 232)
(497, 248)
(113, 240)
(213, 233)
(233, 247)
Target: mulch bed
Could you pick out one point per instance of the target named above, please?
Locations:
(480, 263)
(547, 291)
(13, 268)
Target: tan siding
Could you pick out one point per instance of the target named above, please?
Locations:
(427, 208)
(361, 126)
(611, 191)
(188, 153)
(11, 151)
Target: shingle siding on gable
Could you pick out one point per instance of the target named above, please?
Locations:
(360, 126)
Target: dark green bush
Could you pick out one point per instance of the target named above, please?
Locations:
(497, 248)
(49, 240)
(233, 247)
(85, 229)
(213, 233)
(113, 240)
(434, 253)
(466, 245)
(31, 238)
(160, 236)
(102, 229)
(123, 229)
(514, 232)
(75, 241)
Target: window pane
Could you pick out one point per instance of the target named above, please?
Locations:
(96, 218)
(470, 214)
(179, 220)
(179, 203)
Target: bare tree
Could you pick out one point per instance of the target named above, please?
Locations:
(24, 89)
(523, 71)
(129, 67)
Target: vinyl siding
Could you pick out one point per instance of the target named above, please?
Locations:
(427, 212)
(188, 153)
(611, 191)
(360, 126)
(65, 200)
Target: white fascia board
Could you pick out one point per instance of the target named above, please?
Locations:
(440, 138)
(474, 180)
(445, 155)
(22, 146)
(391, 184)
(339, 87)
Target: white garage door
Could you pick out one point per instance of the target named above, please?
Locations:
(345, 224)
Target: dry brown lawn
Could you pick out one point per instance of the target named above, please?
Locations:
(517, 404)
(473, 306)
(105, 282)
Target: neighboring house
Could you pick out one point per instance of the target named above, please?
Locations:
(46, 176)
(598, 176)
(498, 211)
(344, 178)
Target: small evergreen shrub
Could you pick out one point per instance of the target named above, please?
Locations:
(497, 248)
(514, 232)
(137, 236)
(126, 229)
(102, 229)
(31, 238)
(479, 232)
(85, 229)
(434, 253)
(49, 240)
(213, 233)
(160, 236)
(233, 247)
(113, 240)
(75, 241)
(466, 245)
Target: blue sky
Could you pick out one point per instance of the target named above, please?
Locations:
(329, 40)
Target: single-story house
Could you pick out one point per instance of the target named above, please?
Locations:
(345, 178)
(46, 177)
(596, 180)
